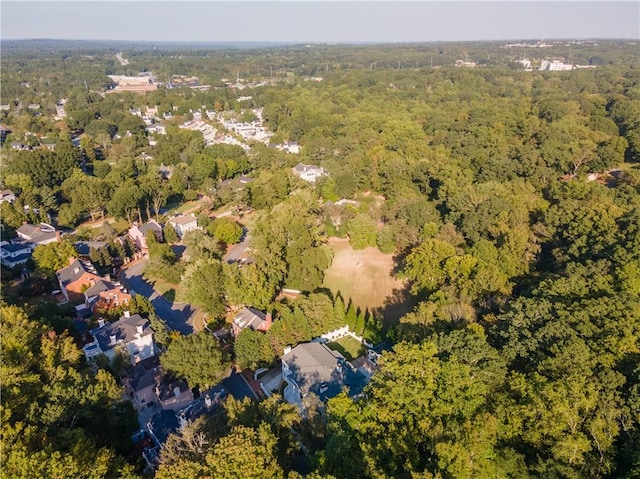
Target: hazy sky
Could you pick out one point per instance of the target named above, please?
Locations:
(312, 21)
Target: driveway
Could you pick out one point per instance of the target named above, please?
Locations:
(236, 253)
(237, 386)
(177, 316)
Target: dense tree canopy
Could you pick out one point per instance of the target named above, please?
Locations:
(509, 198)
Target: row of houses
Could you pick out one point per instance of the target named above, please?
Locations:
(18, 251)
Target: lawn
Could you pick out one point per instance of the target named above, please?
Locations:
(366, 277)
(347, 346)
(168, 290)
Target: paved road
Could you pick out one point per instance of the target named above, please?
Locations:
(176, 315)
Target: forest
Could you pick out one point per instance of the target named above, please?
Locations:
(509, 199)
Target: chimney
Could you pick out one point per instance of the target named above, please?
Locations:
(92, 281)
(140, 329)
(112, 339)
(287, 349)
(176, 391)
(100, 322)
(267, 321)
(127, 314)
(71, 260)
(58, 236)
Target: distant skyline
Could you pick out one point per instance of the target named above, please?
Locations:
(318, 22)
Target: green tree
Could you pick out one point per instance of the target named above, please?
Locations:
(252, 349)
(245, 452)
(226, 230)
(197, 358)
(170, 235)
(201, 246)
(51, 257)
(362, 231)
(203, 283)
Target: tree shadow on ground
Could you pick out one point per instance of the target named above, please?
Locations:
(396, 305)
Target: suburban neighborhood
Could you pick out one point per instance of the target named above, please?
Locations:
(314, 259)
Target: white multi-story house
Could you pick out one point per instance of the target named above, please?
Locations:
(310, 173)
(13, 254)
(183, 224)
(131, 334)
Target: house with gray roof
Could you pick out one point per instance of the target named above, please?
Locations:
(84, 247)
(131, 334)
(173, 393)
(38, 234)
(309, 173)
(183, 224)
(141, 382)
(251, 318)
(147, 384)
(314, 368)
(76, 278)
(104, 295)
(138, 233)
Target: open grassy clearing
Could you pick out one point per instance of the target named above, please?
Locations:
(349, 347)
(366, 277)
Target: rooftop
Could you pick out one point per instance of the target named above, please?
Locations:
(315, 368)
(84, 247)
(182, 219)
(74, 271)
(100, 286)
(125, 330)
(150, 226)
(145, 373)
(249, 318)
(37, 233)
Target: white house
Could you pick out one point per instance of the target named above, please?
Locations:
(183, 224)
(38, 234)
(310, 173)
(131, 334)
(13, 254)
(8, 196)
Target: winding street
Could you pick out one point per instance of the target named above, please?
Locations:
(177, 316)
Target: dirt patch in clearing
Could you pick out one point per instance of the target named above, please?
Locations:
(366, 277)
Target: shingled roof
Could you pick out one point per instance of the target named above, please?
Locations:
(125, 330)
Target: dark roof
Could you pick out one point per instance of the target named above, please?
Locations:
(15, 260)
(74, 271)
(145, 374)
(84, 247)
(163, 424)
(100, 286)
(167, 386)
(17, 246)
(125, 330)
(314, 368)
(249, 318)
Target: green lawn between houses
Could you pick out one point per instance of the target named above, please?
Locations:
(349, 347)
